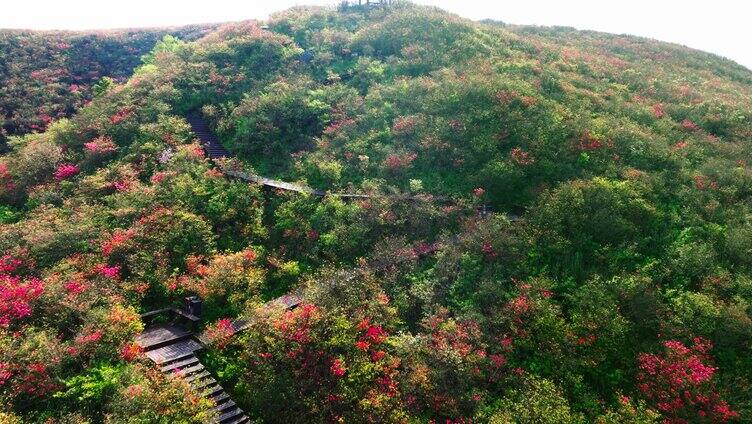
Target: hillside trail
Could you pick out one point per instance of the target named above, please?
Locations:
(216, 152)
(172, 346)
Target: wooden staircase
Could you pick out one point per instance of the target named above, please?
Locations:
(209, 141)
(173, 349)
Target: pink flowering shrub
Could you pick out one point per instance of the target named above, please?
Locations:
(405, 125)
(66, 171)
(129, 352)
(344, 366)
(703, 182)
(122, 185)
(220, 333)
(86, 344)
(658, 111)
(107, 271)
(338, 127)
(34, 380)
(488, 251)
(588, 142)
(11, 263)
(6, 179)
(75, 287)
(158, 177)
(506, 96)
(445, 366)
(121, 115)
(689, 125)
(679, 382)
(338, 368)
(118, 240)
(16, 296)
(396, 162)
(100, 146)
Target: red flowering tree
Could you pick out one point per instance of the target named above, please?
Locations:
(320, 364)
(446, 367)
(679, 382)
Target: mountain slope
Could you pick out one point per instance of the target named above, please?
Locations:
(621, 295)
(47, 75)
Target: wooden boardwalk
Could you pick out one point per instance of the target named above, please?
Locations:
(214, 150)
(288, 301)
(173, 349)
(209, 141)
(295, 298)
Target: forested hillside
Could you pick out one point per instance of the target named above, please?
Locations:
(612, 283)
(45, 76)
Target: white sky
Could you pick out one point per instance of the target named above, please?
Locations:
(718, 26)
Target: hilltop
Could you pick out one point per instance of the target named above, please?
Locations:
(620, 291)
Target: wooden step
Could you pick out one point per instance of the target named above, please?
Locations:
(184, 372)
(197, 376)
(177, 351)
(160, 336)
(182, 363)
(213, 391)
(187, 356)
(178, 358)
(219, 409)
(203, 384)
(233, 413)
(219, 397)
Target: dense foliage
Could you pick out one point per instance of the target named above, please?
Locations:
(45, 76)
(621, 295)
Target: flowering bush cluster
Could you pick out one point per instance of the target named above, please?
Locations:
(347, 375)
(396, 162)
(680, 383)
(17, 292)
(66, 171)
(220, 333)
(100, 146)
(57, 73)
